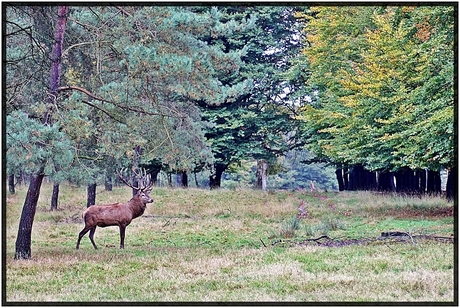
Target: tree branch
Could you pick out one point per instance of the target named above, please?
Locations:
(88, 103)
(79, 44)
(21, 29)
(80, 89)
(110, 116)
(122, 10)
(90, 158)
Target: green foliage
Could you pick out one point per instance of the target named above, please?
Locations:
(30, 145)
(191, 86)
(297, 173)
(135, 74)
(288, 172)
(258, 121)
(28, 41)
(382, 81)
(158, 69)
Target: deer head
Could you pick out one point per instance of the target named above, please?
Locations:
(144, 185)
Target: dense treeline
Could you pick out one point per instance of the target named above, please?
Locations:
(91, 89)
(382, 90)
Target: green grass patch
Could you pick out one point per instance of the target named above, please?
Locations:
(201, 245)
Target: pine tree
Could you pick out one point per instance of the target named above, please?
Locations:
(23, 241)
(117, 94)
(257, 121)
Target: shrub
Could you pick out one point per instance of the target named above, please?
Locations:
(327, 224)
(290, 227)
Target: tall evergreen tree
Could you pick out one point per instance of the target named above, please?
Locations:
(149, 79)
(259, 121)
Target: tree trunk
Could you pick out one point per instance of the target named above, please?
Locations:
(386, 181)
(354, 180)
(416, 181)
(170, 182)
(422, 187)
(184, 179)
(401, 180)
(25, 178)
(451, 184)
(433, 182)
(339, 176)
(11, 184)
(359, 177)
(372, 180)
(108, 184)
(91, 196)
(261, 176)
(196, 180)
(154, 168)
(216, 178)
(55, 197)
(362, 179)
(137, 158)
(407, 181)
(55, 76)
(23, 241)
(383, 181)
(345, 178)
(154, 177)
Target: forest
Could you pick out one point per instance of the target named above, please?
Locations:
(278, 97)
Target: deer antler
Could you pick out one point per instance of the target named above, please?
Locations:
(147, 183)
(144, 179)
(120, 175)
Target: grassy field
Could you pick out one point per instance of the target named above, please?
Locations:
(235, 245)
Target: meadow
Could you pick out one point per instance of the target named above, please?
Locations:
(244, 245)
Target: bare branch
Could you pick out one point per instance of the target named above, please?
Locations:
(86, 26)
(90, 158)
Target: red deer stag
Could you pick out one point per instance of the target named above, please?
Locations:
(117, 214)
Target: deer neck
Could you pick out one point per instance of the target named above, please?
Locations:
(136, 206)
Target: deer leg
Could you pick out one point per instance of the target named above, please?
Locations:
(80, 235)
(122, 237)
(91, 236)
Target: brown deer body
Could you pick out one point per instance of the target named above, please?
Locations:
(115, 214)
